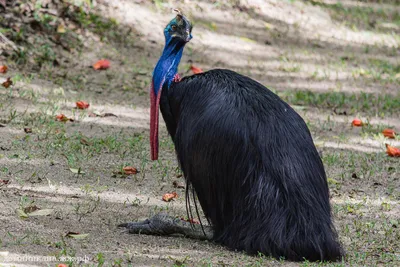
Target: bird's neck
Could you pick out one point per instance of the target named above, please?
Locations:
(167, 65)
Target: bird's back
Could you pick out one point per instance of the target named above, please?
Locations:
(253, 164)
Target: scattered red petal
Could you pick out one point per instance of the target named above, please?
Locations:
(63, 118)
(392, 151)
(357, 123)
(194, 221)
(195, 70)
(130, 170)
(102, 64)
(82, 105)
(62, 265)
(3, 69)
(169, 196)
(389, 133)
(7, 83)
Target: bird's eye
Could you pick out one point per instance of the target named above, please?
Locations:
(173, 27)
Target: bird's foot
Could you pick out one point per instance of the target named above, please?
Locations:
(160, 224)
(163, 224)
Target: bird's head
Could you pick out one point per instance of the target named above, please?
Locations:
(177, 33)
(179, 28)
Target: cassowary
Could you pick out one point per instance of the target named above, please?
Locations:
(247, 155)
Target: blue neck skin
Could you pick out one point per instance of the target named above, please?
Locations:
(167, 65)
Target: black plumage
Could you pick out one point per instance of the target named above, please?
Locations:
(252, 162)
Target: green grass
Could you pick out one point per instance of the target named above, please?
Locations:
(353, 103)
(360, 16)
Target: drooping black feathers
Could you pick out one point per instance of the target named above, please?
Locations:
(252, 163)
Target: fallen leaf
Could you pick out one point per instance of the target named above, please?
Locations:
(195, 70)
(31, 209)
(72, 233)
(77, 236)
(169, 196)
(193, 221)
(85, 142)
(22, 214)
(7, 83)
(108, 115)
(247, 39)
(130, 170)
(77, 171)
(3, 69)
(102, 64)
(61, 28)
(28, 130)
(268, 26)
(43, 212)
(91, 114)
(3, 182)
(389, 133)
(177, 184)
(332, 181)
(392, 151)
(82, 105)
(63, 118)
(357, 123)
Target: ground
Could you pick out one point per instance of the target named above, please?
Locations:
(332, 61)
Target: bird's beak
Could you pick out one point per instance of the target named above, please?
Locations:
(188, 36)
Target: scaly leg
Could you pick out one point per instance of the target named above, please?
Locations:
(163, 224)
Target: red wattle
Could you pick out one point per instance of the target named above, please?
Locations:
(154, 115)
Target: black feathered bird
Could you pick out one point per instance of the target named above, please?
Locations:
(248, 156)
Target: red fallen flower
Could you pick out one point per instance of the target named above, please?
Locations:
(389, 133)
(168, 197)
(195, 70)
(130, 170)
(3, 69)
(392, 151)
(63, 118)
(102, 64)
(82, 105)
(357, 123)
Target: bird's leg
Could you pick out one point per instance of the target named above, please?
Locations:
(163, 224)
